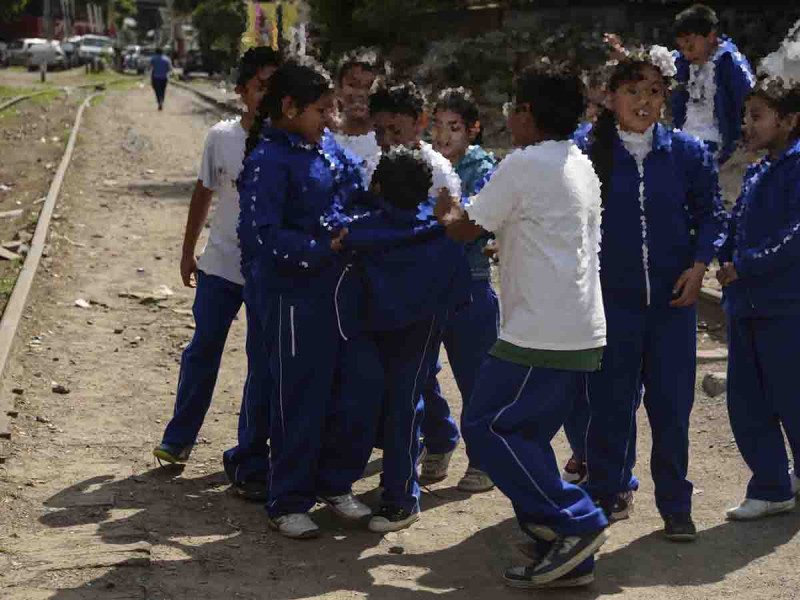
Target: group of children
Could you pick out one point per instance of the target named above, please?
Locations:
(358, 249)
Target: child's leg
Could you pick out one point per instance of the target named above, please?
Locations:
(614, 394)
(751, 395)
(249, 460)
(514, 414)
(577, 423)
(303, 342)
(439, 429)
(408, 357)
(471, 333)
(352, 420)
(216, 303)
(669, 378)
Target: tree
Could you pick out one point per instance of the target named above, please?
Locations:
(11, 8)
(122, 9)
(220, 25)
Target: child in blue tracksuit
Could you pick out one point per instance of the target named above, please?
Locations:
(662, 224)
(218, 279)
(543, 204)
(412, 277)
(291, 266)
(471, 331)
(714, 77)
(760, 274)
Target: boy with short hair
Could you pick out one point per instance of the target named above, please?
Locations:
(543, 205)
(160, 68)
(715, 79)
(218, 279)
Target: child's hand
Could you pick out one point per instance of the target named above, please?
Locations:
(616, 50)
(492, 250)
(727, 274)
(337, 241)
(189, 270)
(448, 209)
(687, 288)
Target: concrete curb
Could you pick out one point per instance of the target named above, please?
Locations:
(17, 99)
(16, 303)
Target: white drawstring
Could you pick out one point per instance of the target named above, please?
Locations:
(336, 302)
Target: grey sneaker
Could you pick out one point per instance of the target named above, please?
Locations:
(475, 481)
(348, 507)
(434, 467)
(298, 526)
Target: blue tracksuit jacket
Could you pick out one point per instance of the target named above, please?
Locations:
(734, 79)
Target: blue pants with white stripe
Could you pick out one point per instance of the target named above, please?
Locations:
(510, 422)
(408, 356)
(762, 400)
(311, 430)
(468, 336)
(216, 304)
(654, 347)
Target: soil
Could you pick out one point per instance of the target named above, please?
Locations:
(88, 515)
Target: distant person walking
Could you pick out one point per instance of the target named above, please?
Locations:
(160, 68)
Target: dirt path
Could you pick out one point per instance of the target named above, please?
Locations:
(86, 515)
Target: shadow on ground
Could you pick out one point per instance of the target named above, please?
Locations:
(206, 543)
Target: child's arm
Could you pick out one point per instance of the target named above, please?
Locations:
(265, 193)
(198, 213)
(361, 236)
(782, 249)
(710, 219)
(739, 81)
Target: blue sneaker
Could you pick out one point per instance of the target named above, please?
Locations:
(172, 454)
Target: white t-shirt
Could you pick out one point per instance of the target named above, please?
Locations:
(222, 162)
(365, 147)
(543, 204)
(702, 88)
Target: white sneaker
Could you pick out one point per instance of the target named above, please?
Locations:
(751, 509)
(348, 507)
(298, 526)
(434, 467)
(475, 480)
(795, 483)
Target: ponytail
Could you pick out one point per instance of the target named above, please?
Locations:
(601, 150)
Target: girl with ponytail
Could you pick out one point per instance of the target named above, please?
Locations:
(290, 180)
(663, 223)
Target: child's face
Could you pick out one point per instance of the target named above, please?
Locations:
(451, 138)
(696, 48)
(253, 91)
(353, 92)
(638, 104)
(764, 128)
(312, 120)
(392, 129)
(520, 123)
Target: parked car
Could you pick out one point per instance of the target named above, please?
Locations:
(197, 62)
(18, 50)
(3, 54)
(51, 54)
(143, 59)
(95, 47)
(70, 46)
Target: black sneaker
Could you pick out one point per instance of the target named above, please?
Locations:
(579, 577)
(392, 518)
(566, 553)
(619, 507)
(253, 491)
(679, 528)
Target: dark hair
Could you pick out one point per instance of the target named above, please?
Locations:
(365, 58)
(460, 101)
(780, 95)
(698, 19)
(404, 177)
(253, 60)
(304, 81)
(402, 99)
(556, 96)
(602, 137)
(158, 50)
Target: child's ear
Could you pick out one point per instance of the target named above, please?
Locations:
(474, 131)
(422, 122)
(288, 107)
